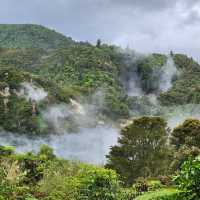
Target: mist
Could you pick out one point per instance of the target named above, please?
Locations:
(88, 145)
(129, 77)
(134, 88)
(76, 130)
(32, 92)
(176, 115)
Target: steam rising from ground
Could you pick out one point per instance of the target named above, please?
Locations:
(62, 117)
(32, 92)
(134, 88)
(149, 104)
(94, 135)
(176, 115)
(168, 71)
(89, 145)
(164, 75)
(90, 142)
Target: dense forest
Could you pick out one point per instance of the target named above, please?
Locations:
(141, 111)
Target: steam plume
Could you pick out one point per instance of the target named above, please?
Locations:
(31, 92)
(168, 71)
(89, 145)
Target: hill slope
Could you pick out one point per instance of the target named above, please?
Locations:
(31, 36)
(78, 70)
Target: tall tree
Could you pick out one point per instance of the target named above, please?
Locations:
(187, 134)
(141, 151)
(98, 43)
(186, 141)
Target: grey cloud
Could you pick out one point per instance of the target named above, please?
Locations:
(146, 25)
(150, 5)
(192, 18)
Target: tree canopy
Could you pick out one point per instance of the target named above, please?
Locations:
(142, 149)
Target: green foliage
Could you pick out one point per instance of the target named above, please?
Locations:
(188, 179)
(186, 88)
(6, 150)
(46, 152)
(43, 176)
(128, 193)
(187, 134)
(74, 181)
(142, 150)
(68, 69)
(154, 185)
(98, 43)
(141, 185)
(11, 77)
(181, 155)
(148, 70)
(163, 194)
(31, 36)
(73, 70)
(185, 139)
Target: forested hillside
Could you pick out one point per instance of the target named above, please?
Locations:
(87, 101)
(31, 36)
(76, 69)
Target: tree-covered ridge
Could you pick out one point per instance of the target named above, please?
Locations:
(31, 36)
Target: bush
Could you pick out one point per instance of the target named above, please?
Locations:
(188, 179)
(63, 180)
(6, 150)
(165, 180)
(141, 185)
(128, 194)
(154, 185)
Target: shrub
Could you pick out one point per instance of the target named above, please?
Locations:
(141, 185)
(165, 180)
(154, 185)
(78, 181)
(188, 179)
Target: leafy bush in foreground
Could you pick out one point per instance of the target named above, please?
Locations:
(44, 177)
(188, 179)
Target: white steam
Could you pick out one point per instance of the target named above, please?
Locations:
(82, 115)
(168, 71)
(176, 115)
(89, 145)
(56, 116)
(134, 87)
(78, 108)
(32, 92)
(91, 141)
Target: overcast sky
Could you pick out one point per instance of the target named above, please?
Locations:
(145, 25)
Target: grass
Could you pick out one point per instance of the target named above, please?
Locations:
(157, 194)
